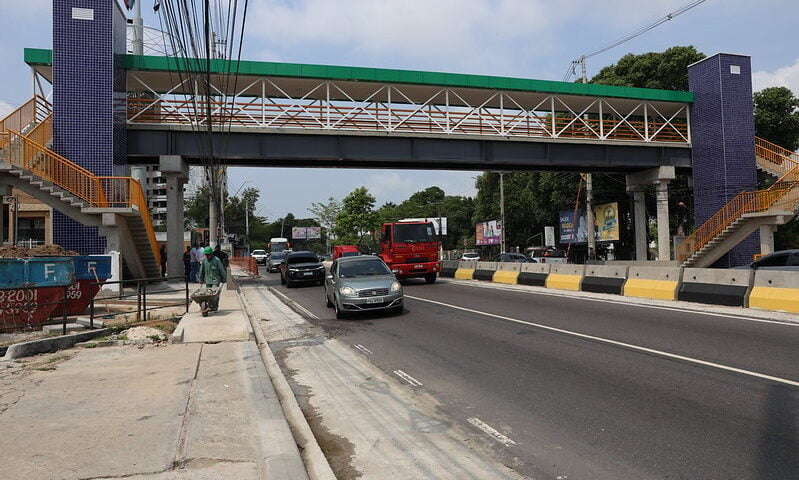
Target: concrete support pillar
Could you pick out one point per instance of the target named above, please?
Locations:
(639, 218)
(664, 233)
(767, 238)
(176, 171)
(113, 248)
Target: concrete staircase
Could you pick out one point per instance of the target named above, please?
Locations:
(748, 211)
(114, 204)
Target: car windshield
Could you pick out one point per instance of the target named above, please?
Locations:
(277, 256)
(357, 269)
(414, 233)
(258, 252)
(350, 254)
(294, 260)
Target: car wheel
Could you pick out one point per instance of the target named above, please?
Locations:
(339, 314)
(430, 278)
(327, 300)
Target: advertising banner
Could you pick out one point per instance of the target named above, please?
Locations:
(489, 233)
(574, 226)
(306, 233)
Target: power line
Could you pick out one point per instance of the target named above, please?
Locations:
(669, 16)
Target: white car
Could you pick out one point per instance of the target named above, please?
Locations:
(260, 256)
(470, 256)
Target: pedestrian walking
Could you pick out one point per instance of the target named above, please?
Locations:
(222, 256)
(199, 256)
(194, 265)
(162, 253)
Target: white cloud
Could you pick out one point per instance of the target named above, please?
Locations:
(389, 186)
(782, 77)
(5, 108)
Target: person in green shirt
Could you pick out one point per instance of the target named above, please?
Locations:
(212, 273)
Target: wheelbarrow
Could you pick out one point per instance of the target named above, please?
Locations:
(204, 296)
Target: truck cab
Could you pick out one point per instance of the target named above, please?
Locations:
(410, 249)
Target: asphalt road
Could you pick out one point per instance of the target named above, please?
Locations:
(575, 388)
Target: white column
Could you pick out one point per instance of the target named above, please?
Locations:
(176, 172)
(639, 215)
(664, 235)
(767, 238)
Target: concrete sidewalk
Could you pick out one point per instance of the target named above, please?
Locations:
(181, 411)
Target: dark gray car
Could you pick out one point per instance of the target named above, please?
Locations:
(274, 261)
(362, 284)
(781, 260)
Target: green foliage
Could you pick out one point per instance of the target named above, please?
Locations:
(664, 70)
(777, 117)
(357, 217)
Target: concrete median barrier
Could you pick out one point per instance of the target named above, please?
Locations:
(465, 270)
(507, 272)
(714, 286)
(775, 290)
(604, 279)
(534, 274)
(566, 277)
(448, 268)
(485, 271)
(652, 282)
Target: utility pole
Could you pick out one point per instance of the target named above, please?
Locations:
(247, 219)
(589, 196)
(138, 30)
(502, 211)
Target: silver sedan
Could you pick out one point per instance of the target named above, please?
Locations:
(362, 284)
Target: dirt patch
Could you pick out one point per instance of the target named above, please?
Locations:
(16, 251)
(141, 333)
(7, 339)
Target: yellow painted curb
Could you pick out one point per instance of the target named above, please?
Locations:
(502, 276)
(769, 298)
(464, 273)
(564, 282)
(644, 288)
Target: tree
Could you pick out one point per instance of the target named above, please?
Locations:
(357, 217)
(325, 214)
(777, 116)
(664, 70)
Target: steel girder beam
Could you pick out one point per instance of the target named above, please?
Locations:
(378, 151)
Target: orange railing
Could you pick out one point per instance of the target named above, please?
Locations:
(34, 110)
(42, 132)
(784, 194)
(775, 156)
(98, 192)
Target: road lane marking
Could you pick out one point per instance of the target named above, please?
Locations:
(490, 286)
(407, 378)
(619, 344)
(491, 431)
(363, 349)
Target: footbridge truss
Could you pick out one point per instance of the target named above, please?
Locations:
(369, 116)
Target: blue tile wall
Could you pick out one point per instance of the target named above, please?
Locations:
(723, 141)
(88, 102)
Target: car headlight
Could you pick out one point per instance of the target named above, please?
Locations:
(348, 291)
(395, 287)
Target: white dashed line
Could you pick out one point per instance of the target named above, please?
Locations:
(407, 378)
(491, 431)
(363, 349)
(620, 344)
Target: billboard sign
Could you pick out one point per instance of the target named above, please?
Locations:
(574, 225)
(306, 233)
(489, 233)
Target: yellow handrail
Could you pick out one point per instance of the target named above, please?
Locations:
(776, 156)
(98, 192)
(34, 110)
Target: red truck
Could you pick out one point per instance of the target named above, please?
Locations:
(410, 249)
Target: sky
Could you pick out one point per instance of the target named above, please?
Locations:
(516, 38)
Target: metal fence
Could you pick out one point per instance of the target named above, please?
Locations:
(143, 287)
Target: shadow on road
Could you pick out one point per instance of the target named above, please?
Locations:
(779, 441)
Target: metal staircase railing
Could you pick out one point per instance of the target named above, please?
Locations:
(782, 196)
(31, 112)
(95, 191)
(773, 157)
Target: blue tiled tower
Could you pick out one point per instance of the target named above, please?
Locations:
(723, 140)
(89, 41)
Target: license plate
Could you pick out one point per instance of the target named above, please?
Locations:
(374, 300)
(418, 266)
(307, 274)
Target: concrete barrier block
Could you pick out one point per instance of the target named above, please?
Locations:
(536, 268)
(567, 269)
(448, 268)
(534, 274)
(775, 290)
(492, 266)
(509, 266)
(714, 286)
(485, 271)
(464, 273)
(604, 278)
(506, 276)
(652, 282)
(565, 276)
